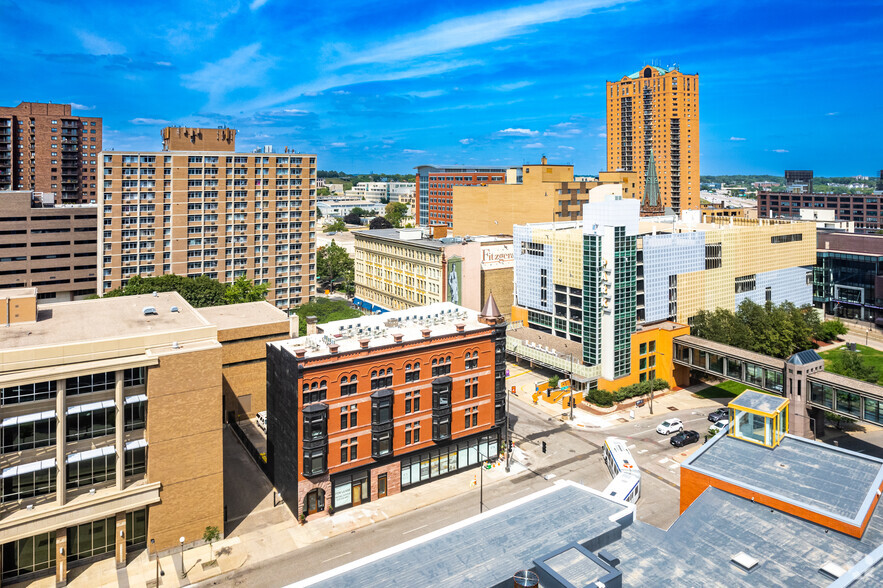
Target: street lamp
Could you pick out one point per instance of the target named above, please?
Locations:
(183, 572)
(156, 557)
(570, 380)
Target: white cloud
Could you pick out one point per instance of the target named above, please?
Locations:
(338, 144)
(76, 106)
(512, 86)
(565, 147)
(477, 29)
(340, 92)
(565, 129)
(255, 4)
(295, 111)
(99, 45)
(150, 121)
(164, 63)
(467, 141)
(387, 141)
(245, 67)
(602, 135)
(780, 151)
(534, 146)
(413, 151)
(426, 94)
(737, 138)
(832, 114)
(510, 132)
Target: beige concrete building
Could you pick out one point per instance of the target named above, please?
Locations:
(216, 213)
(111, 415)
(49, 246)
(541, 193)
(397, 269)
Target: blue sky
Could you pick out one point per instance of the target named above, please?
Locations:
(385, 86)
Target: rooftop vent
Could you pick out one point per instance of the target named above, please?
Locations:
(149, 310)
(174, 309)
(744, 561)
(176, 345)
(155, 293)
(831, 569)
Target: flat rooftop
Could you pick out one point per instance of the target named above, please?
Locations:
(441, 318)
(247, 314)
(104, 318)
(487, 549)
(10, 293)
(819, 477)
(759, 401)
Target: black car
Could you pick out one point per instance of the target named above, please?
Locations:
(721, 413)
(684, 438)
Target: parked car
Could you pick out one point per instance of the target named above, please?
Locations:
(684, 438)
(718, 426)
(719, 414)
(262, 420)
(670, 426)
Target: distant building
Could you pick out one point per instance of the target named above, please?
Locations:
(44, 148)
(113, 418)
(712, 214)
(369, 407)
(864, 210)
(435, 184)
(378, 191)
(215, 213)
(653, 131)
(848, 277)
(48, 246)
(540, 193)
(398, 269)
(340, 207)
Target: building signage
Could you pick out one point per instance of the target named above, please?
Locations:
(497, 256)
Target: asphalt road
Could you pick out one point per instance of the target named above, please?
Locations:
(572, 454)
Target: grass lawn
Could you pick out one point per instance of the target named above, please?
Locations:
(726, 389)
(870, 355)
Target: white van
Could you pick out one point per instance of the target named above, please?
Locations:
(262, 420)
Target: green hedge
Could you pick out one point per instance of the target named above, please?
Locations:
(605, 399)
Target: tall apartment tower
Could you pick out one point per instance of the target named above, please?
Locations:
(210, 212)
(44, 148)
(653, 117)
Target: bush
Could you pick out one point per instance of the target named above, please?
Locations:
(553, 381)
(601, 398)
(639, 389)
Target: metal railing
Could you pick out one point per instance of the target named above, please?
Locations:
(551, 359)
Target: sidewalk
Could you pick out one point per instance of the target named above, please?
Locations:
(272, 540)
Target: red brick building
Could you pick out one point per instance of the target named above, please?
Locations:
(435, 189)
(44, 148)
(371, 406)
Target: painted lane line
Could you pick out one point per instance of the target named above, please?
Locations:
(336, 556)
(417, 529)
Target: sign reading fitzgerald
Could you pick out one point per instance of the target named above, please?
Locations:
(497, 256)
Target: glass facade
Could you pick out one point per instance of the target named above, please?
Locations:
(591, 300)
(441, 461)
(91, 539)
(29, 555)
(624, 301)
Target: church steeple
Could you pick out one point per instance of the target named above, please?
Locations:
(490, 314)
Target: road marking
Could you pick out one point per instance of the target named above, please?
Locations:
(336, 556)
(417, 529)
(664, 460)
(521, 374)
(548, 476)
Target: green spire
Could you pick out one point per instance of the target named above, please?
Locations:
(651, 184)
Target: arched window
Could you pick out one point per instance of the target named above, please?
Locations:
(412, 374)
(348, 388)
(471, 360)
(381, 379)
(315, 392)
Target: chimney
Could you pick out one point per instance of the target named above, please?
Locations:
(312, 325)
(363, 343)
(293, 326)
(300, 353)
(397, 337)
(332, 349)
(461, 327)
(426, 333)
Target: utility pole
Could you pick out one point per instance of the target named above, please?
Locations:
(508, 433)
(652, 385)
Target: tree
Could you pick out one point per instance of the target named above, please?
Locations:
(211, 535)
(395, 212)
(243, 290)
(827, 331)
(358, 211)
(325, 310)
(323, 191)
(553, 381)
(199, 291)
(378, 222)
(852, 365)
(338, 226)
(352, 219)
(335, 268)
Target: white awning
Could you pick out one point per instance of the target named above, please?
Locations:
(28, 468)
(91, 406)
(135, 398)
(28, 418)
(136, 444)
(91, 454)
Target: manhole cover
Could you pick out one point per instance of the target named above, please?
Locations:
(671, 407)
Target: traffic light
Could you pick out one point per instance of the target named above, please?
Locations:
(544, 447)
(510, 446)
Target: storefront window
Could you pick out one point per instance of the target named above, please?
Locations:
(28, 555)
(91, 539)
